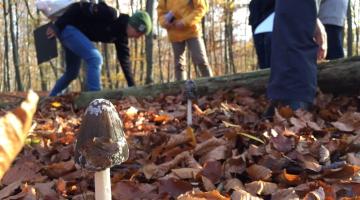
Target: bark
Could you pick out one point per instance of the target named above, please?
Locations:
(350, 36)
(109, 82)
(160, 64)
(6, 50)
(41, 69)
(15, 49)
(345, 73)
(149, 43)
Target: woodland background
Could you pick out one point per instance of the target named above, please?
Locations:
(226, 33)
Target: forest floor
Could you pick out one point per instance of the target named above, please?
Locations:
(230, 151)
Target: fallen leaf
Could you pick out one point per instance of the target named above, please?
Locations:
(317, 194)
(259, 172)
(128, 190)
(324, 154)
(286, 112)
(343, 127)
(207, 183)
(233, 184)
(309, 162)
(130, 112)
(195, 195)
(213, 171)
(56, 170)
(8, 190)
(261, 188)
(174, 187)
(290, 179)
(282, 143)
(56, 104)
(162, 118)
(46, 190)
(14, 128)
(61, 186)
(24, 169)
(282, 194)
(353, 158)
(343, 173)
(243, 195)
(218, 153)
(186, 173)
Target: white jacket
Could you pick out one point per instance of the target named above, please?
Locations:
(333, 12)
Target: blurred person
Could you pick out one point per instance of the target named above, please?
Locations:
(332, 14)
(259, 11)
(182, 20)
(83, 23)
(298, 40)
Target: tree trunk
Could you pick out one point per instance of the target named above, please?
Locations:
(109, 83)
(149, 46)
(28, 35)
(160, 64)
(142, 63)
(6, 50)
(41, 70)
(345, 73)
(15, 49)
(350, 36)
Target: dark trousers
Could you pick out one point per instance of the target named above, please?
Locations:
(293, 56)
(335, 41)
(262, 43)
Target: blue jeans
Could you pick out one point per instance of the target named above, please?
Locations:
(293, 75)
(77, 46)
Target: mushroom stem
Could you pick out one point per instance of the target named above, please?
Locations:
(103, 185)
(189, 112)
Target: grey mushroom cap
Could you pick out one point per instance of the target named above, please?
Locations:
(191, 90)
(101, 141)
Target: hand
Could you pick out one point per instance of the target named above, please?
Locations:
(169, 17)
(321, 40)
(179, 24)
(50, 33)
(168, 25)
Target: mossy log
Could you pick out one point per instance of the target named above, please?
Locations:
(337, 77)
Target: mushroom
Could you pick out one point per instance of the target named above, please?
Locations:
(101, 144)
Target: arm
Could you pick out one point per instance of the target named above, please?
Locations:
(161, 11)
(123, 54)
(321, 39)
(197, 14)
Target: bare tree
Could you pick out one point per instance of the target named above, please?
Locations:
(15, 49)
(350, 36)
(149, 46)
(6, 50)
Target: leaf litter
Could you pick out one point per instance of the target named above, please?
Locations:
(229, 152)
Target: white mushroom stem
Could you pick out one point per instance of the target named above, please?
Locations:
(103, 185)
(189, 112)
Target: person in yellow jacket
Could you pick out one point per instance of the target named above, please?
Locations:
(181, 19)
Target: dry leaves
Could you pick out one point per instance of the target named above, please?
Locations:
(230, 152)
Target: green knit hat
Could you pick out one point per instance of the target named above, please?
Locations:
(141, 21)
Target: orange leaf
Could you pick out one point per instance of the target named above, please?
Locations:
(14, 127)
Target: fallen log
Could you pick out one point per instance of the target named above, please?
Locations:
(337, 77)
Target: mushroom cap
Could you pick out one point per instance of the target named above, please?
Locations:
(190, 90)
(101, 141)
